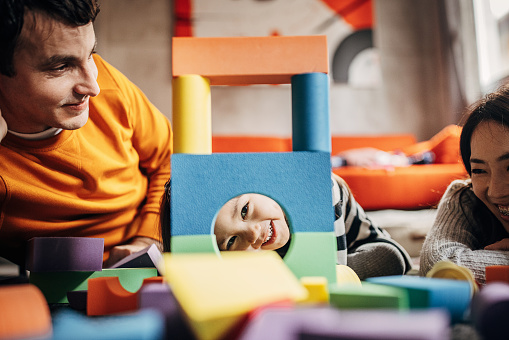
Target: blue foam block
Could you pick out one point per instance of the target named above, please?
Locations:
(146, 324)
(423, 292)
(299, 181)
(310, 112)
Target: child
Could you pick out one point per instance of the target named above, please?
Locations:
(256, 222)
(472, 224)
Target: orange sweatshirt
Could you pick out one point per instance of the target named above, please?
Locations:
(104, 180)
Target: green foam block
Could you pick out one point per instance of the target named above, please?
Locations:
(313, 254)
(368, 296)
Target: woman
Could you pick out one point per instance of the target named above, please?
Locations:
(472, 224)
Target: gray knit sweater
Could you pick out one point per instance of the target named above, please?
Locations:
(462, 228)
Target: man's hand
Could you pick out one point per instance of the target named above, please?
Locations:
(503, 244)
(3, 127)
(138, 243)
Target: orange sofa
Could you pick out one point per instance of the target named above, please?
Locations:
(412, 187)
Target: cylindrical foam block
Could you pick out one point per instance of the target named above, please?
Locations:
(489, 310)
(310, 112)
(191, 118)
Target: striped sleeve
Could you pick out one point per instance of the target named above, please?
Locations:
(355, 225)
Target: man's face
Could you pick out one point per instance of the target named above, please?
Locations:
(55, 77)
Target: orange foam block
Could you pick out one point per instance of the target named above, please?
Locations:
(249, 60)
(497, 274)
(24, 313)
(107, 296)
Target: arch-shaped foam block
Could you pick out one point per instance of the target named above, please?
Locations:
(107, 296)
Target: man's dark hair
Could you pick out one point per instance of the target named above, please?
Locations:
(12, 13)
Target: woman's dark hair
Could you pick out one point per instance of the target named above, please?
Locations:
(493, 107)
(12, 14)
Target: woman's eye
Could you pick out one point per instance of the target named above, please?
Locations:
(230, 243)
(478, 171)
(244, 211)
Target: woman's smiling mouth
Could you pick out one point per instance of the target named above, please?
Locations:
(503, 209)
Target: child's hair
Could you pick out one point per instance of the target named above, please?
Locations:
(165, 219)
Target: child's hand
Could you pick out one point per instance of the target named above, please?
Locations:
(503, 244)
(3, 127)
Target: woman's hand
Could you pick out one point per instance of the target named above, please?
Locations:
(3, 127)
(503, 244)
(138, 243)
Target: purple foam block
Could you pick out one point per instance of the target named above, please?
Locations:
(490, 310)
(77, 299)
(159, 296)
(148, 257)
(329, 323)
(63, 254)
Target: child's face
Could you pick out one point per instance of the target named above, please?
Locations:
(251, 222)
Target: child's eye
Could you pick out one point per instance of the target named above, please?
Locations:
(244, 211)
(230, 243)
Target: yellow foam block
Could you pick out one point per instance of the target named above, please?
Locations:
(191, 119)
(346, 275)
(249, 60)
(216, 292)
(317, 287)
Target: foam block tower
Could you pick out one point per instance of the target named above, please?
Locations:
(300, 181)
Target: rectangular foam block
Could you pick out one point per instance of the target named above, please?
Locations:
(249, 60)
(145, 324)
(299, 181)
(58, 254)
(55, 285)
(423, 292)
(497, 274)
(368, 296)
(215, 292)
(328, 323)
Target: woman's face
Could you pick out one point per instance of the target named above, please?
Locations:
(251, 222)
(490, 168)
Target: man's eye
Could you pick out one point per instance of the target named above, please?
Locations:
(478, 171)
(59, 68)
(230, 243)
(244, 211)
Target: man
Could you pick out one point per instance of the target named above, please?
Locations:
(86, 154)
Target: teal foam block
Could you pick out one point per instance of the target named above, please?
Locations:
(55, 286)
(146, 324)
(423, 292)
(310, 112)
(299, 181)
(368, 296)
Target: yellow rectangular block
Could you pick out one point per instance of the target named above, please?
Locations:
(216, 292)
(249, 60)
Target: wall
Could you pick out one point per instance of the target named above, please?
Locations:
(416, 95)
